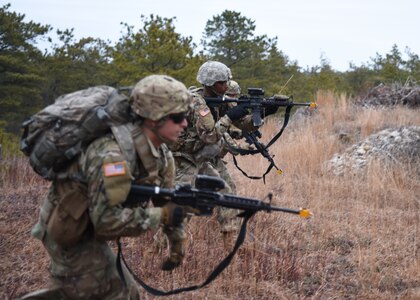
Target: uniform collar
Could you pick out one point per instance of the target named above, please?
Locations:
(153, 149)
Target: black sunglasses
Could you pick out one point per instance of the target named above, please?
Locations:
(178, 118)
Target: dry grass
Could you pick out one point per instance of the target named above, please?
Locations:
(362, 243)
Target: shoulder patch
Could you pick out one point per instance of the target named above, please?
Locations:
(114, 169)
(204, 112)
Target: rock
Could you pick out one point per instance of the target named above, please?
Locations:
(392, 145)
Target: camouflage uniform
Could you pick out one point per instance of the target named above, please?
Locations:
(199, 149)
(86, 268)
(234, 90)
(198, 152)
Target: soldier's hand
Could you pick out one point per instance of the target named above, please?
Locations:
(235, 132)
(271, 110)
(247, 146)
(237, 112)
(174, 215)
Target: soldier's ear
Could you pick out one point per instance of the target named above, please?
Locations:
(149, 123)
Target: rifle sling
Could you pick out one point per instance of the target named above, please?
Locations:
(213, 275)
(252, 152)
(285, 122)
(273, 140)
(253, 177)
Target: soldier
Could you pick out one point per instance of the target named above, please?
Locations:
(245, 123)
(235, 132)
(234, 90)
(83, 267)
(199, 147)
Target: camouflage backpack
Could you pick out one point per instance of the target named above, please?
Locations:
(58, 133)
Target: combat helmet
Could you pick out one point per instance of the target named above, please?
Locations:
(212, 71)
(157, 96)
(233, 88)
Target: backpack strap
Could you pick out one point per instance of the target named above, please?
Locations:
(122, 134)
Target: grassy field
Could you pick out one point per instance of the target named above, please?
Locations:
(362, 243)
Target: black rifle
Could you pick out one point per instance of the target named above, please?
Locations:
(252, 138)
(204, 198)
(256, 102)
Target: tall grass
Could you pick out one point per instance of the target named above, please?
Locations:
(15, 173)
(362, 242)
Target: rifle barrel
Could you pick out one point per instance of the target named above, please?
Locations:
(288, 210)
(304, 213)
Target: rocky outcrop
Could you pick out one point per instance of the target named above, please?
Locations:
(392, 145)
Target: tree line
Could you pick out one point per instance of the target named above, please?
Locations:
(31, 78)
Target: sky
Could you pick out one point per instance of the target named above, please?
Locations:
(342, 32)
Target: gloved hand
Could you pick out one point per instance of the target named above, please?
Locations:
(173, 215)
(246, 146)
(237, 112)
(235, 132)
(271, 110)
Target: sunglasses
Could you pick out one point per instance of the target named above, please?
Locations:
(178, 118)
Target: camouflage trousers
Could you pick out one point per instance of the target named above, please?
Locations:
(102, 284)
(187, 171)
(88, 282)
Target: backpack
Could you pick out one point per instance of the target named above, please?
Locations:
(57, 134)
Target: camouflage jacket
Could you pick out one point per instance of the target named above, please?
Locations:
(108, 180)
(208, 134)
(203, 138)
(202, 131)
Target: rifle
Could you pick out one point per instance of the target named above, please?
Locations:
(256, 102)
(252, 139)
(204, 198)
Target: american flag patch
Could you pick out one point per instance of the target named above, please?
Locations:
(204, 111)
(114, 169)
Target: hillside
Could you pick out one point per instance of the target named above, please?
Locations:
(362, 243)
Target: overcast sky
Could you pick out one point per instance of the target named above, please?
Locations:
(341, 31)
